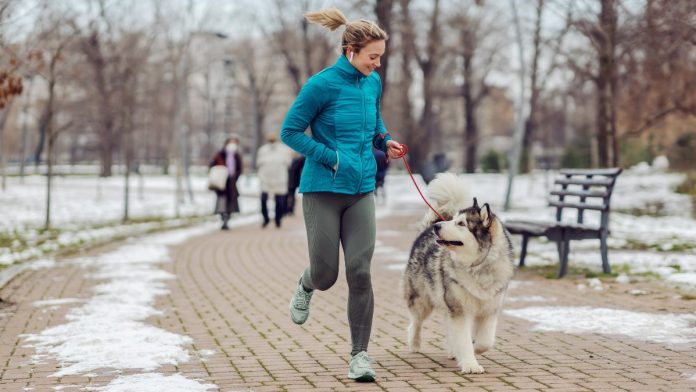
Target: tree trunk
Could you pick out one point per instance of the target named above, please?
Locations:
(49, 175)
(383, 10)
(25, 115)
(471, 128)
(530, 123)
(93, 50)
(606, 85)
(4, 113)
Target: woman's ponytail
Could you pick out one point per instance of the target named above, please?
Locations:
(331, 18)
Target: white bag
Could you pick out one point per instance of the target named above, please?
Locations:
(217, 178)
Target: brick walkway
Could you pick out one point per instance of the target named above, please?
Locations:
(231, 298)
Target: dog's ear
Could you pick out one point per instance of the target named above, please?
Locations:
(476, 203)
(486, 215)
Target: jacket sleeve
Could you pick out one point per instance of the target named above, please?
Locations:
(381, 136)
(307, 105)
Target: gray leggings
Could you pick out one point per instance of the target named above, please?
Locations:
(350, 219)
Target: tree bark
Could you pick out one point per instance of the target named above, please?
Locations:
(607, 145)
(383, 10)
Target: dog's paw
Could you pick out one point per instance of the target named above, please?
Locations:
(482, 348)
(472, 368)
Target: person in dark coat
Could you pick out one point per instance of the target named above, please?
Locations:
(382, 167)
(294, 173)
(228, 200)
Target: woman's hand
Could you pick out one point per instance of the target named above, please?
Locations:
(395, 150)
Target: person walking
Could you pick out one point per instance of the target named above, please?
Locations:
(382, 166)
(294, 174)
(227, 201)
(272, 163)
(342, 106)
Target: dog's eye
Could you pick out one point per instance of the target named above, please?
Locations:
(461, 223)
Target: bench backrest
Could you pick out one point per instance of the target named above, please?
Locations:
(590, 189)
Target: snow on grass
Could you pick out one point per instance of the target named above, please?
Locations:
(109, 330)
(87, 210)
(668, 329)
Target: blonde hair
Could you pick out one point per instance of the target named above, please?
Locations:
(358, 33)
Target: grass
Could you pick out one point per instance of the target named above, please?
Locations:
(550, 271)
(676, 245)
(655, 208)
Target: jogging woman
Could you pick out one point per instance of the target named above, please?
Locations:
(341, 104)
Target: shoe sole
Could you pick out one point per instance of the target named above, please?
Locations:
(293, 318)
(363, 378)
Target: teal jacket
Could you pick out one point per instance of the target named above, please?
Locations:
(342, 107)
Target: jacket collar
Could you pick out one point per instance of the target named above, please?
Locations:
(347, 68)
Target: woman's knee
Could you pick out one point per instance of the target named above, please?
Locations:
(323, 280)
(359, 277)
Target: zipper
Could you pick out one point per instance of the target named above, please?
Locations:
(362, 136)
(338, 164)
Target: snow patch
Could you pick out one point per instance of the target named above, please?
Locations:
(155, 383)
(669, 329)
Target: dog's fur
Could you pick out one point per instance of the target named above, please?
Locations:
(462, 266)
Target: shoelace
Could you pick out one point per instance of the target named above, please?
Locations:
(302, 300)
(364, 363)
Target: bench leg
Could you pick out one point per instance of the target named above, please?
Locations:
(604, 248)
(523, 251)
(563, 250)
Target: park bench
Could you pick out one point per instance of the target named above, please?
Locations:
(577, 188)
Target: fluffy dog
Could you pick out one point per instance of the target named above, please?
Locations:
(462, 266)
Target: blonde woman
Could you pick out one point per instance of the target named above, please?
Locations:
(342, 106)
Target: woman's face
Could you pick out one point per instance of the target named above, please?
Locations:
(368, 59)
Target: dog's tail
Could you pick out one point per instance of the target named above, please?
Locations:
(448, 194)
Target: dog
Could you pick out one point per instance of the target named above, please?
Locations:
(462, 266)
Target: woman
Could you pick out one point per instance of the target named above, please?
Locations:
(227, 200)
(342, 106)
(272, 163)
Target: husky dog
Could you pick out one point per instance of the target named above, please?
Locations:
(462, 266)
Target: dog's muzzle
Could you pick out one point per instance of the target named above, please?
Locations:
(441, 241)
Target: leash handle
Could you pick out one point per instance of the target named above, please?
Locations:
(404, 151)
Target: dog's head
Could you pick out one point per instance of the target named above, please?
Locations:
(468, 234)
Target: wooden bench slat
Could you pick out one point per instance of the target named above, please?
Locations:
(585, 181)
(612, 171)
(579, 193)
(578, 205)
(530, 226)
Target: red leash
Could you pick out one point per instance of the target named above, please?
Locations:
(404, 151)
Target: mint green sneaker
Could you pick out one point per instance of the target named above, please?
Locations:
(299, 304)
(359, 368)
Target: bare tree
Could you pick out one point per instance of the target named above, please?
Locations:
(55, 41)
(428, 59)
(259, 84)
(602, 35)
(384, 10)
(478, 59)
(659, 82)
(303, 53)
